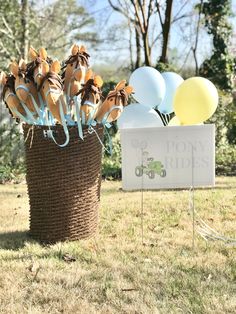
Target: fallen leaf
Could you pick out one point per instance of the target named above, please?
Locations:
(68, 258)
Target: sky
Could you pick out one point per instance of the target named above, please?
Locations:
(106, 17)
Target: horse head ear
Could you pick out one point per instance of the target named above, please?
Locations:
(32, 54)
(45, 67)
(98, 81)
(43, 53)
(14, 68)
(88, 75)
(22, 64)
(82, 48)
(120, 85)
(74, 49)
(55, 66)
(129, 89)
(3, 78)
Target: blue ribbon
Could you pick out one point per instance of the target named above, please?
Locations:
(50, 132)
(92, 130)
(106, 115)
(77, 111)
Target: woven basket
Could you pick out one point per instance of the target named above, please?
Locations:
(63, 183)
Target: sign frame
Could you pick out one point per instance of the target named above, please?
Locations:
(193, 147)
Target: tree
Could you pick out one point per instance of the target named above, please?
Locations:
(195, 46)
(10, 31)
(55, 26)
(165, 25)
(139, 13)
(219, 68)
(25, 28)
(60, 24)
(152, 21)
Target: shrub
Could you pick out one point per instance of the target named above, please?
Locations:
(111, 164)
(11, 153)
(226, 160)
(220, 118)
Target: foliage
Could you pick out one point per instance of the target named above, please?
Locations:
(107, 87)
(165, 67)
(111, 164)
(10, 31)
(231, 123)
(11, 153)
(225, 160)
(61, 23)
(55, 26)
(219, 68)
(220, 118)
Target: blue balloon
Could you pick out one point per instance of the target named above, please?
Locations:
(149, 86)
(172, 80)
(139, 116)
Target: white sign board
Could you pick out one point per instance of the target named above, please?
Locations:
(168, 157)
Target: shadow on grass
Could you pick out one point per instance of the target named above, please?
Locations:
(14, 240)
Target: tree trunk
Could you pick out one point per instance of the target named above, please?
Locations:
(147, 55)
(166, 31)
(138, 49)
(25, 28)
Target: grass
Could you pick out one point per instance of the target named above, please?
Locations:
(115, 272)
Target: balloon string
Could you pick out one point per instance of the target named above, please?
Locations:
(142, 196)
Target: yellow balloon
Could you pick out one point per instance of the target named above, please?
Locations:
(174, 121)
(195, 100)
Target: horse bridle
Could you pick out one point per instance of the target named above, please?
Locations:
(35, 65)
(89, 87)
(54, 79)
(117, 94)
(81, 61)
(23, 74)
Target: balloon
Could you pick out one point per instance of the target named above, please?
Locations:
(138, 116)
(175, 122)
(149, 86)
(195, 100)
(172, 81)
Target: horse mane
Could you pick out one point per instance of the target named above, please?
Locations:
(10, 84)
(52, 78)
(31, 66)
(80, 57)
(89, 87)
(120, 93)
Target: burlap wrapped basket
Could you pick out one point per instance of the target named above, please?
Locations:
(63, 183)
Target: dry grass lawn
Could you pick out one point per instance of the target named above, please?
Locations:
(114, 272)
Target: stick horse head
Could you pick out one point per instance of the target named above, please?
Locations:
(51, 88)
(25, 88)
(8, 95)
(75, 70)
(90, 96)
(39, 65)
(112, 107)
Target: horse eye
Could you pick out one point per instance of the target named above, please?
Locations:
(71, 65)
(97, 101)
(111, 99)
(43, 87)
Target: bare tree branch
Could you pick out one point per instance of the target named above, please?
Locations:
(194, 48)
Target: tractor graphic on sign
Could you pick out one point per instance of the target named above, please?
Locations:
(150, 167)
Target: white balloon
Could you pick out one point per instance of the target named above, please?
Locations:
(149, 86)
(139, 116)
(172, 81)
